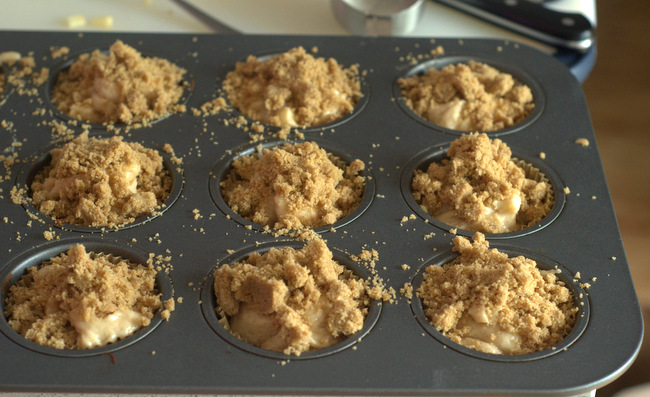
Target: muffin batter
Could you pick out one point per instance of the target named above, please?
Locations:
(293, 186)
(487, 301)
(119, 87)
(81, 300)
(468, 97)
(480, 188)
(293, 89)
(101, 182)
(291, 300)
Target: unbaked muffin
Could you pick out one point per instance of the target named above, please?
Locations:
(119, 87)
(468, 97)
(293, 89)
(293, 186)
(487, 301)
(291, 300)
(83, 300)
(101, 182)
(480, 187)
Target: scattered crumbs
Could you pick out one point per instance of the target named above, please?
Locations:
(405, 267)
(577, 276)
(613, 258)
(179, 299)
(380, 196)
(593, 197)
(567, 190)
(230, 252)
(582, 142)
(407, 290)
(407, 218)
(196, 213)
(453, 230)
(593, 279)
(170, 306)
(48, 235)
(542, 155)
(430, 235)
(153, 352)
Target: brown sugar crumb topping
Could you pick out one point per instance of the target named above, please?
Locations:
(101, 182)
(468, 97)
(293, 186)
(497, 304)
(291, 300)
(293, 89)
(480, 188)
(493, 303)
(119, 87)
(81, 300)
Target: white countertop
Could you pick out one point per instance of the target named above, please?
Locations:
(248, 16)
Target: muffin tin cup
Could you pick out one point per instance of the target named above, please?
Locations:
(395, 354)
(533, 168)
(224, 166)
(215, 319)
(274, 129)
(16, 268)
(188, 84)
(539, 98)
(543, 263)
(43, 158)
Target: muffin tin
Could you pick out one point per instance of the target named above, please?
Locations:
(397, 352)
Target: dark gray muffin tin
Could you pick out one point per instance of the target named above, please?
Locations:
(397, 352)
